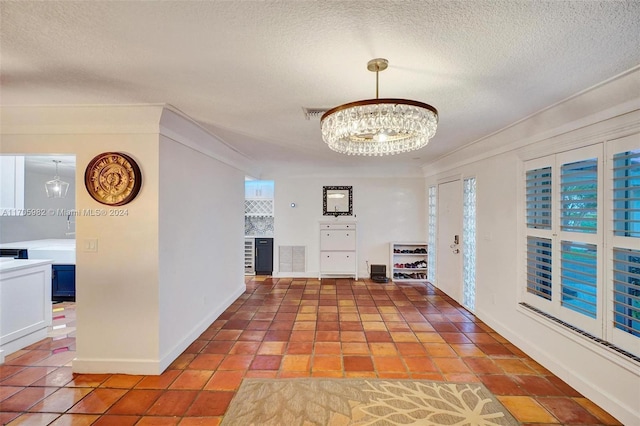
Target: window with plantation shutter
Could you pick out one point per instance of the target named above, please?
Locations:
(626, 194)
(623, 324)
(579, 196)
(539, 198)
(626, 291)
(582, 232)
(578, 277)
(563, 237)
(539, 267)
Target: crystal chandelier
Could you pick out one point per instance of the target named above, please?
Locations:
(379, 126)
(56, 188)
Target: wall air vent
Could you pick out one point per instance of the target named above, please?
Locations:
(313, 113)
(292, 259)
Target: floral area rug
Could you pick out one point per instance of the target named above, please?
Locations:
(337, 402)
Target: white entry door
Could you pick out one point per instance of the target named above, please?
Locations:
(449, 256)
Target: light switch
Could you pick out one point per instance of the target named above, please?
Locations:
(91, 245)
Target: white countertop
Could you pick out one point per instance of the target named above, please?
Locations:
(60, 251)
(8, 264)
(62, 244)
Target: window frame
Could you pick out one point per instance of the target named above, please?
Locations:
(546, 305)
(614, 335)
(588, 324)
(602, 326)
(469, 241)
(432, 207)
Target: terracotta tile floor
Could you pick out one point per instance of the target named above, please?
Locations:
(290, 328)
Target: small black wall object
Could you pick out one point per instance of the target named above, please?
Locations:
(379, 273)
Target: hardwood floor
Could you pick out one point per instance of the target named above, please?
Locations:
(291, 328)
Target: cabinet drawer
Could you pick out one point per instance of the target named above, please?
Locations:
(337, 239)
(337, 262)
(324, 226)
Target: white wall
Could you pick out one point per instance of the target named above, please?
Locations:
(386, 209)
(24, 228)
(201, 228)
(609, 379)
(125, 321)
(117, 286)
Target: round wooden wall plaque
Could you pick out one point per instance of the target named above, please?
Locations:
(113, 178)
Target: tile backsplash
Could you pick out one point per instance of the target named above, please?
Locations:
(258, 226)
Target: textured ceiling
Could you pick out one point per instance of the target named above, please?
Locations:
(245, 69)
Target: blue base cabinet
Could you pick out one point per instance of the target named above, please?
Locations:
(63, 282)
(264, 256)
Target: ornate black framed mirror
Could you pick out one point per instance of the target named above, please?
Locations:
(337, 201)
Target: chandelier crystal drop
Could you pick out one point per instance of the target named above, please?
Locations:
(379, 126)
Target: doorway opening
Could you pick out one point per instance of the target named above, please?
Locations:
(258, 227)
(38, 221)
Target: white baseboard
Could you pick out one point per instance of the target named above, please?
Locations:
(154, 366)
(149, 367)
(621, 410)
(314, 275)
(180, 347)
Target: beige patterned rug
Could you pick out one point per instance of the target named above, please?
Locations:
(337, 402)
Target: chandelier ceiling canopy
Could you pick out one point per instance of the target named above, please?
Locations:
(379, 126)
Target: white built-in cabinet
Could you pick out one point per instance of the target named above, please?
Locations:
(258, 189)
(11, 185)
(338, 249)
(408, 261)
(25, 303)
